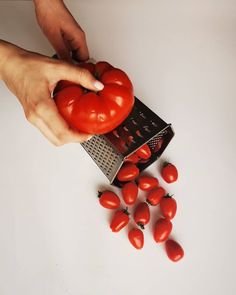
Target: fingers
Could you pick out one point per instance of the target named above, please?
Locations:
(46, 118)
(76, 40)
(61, 47)
(78, 75)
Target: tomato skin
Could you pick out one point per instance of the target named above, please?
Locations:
(101, 67)
(174, 250)
(169, 173)
(144, 152)
(97, 112)
(109, 200)
(64, 102)
(130, 193)
(136, 238)
(61, 85)
(117, 77)
(120, 219)
(162, 230)
(128, 172)
(133, 158)
(142, 214)
(155, 196)
(146, 183)
(168, 207)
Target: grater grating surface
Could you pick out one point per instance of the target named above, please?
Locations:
(140, 127)
(104, 155)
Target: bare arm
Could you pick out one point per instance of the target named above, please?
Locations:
(32, 78)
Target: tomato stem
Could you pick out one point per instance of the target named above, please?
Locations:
(168, 196)
(166, 164)
(99, 194)
(141, 225)
(149, 203)
(126, 211)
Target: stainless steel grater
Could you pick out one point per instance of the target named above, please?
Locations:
(140, 127)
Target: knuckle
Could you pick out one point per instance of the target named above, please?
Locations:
(61, 139)
(30, 116)
(83, 73)
(82, 34)
(40, 107)
(58, 143)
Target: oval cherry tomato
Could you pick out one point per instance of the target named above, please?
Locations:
(136, 238)
(169, 173)
(142, 214)
(162, 230)
(144, 152)
(130, 193)
(133, 158)
(97, 112)
(155, 196)
(119, 220)
(174, 250)
(109, 200)
(168, 207)
(147, 183)
(128, 172)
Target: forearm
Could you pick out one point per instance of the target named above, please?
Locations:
(37, 3)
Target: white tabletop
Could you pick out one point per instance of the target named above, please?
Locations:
(55, 238)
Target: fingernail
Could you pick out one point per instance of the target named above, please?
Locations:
(98, 85)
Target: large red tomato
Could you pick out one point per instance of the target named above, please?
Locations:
(97, 112)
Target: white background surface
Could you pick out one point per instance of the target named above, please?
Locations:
(55, 238)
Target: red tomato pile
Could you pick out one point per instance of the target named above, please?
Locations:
(155, 195)
(96, 112)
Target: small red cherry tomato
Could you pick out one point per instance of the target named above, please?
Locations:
(120, 219)
(155, 196)
(147, 183)
(174, 250)
(109, 200)
(144, 152)
(128, 172)
(142, 214)
(130, 193)
(136, 238)
(133, 158)
(162, 230)
(169, 173)
(168, 207)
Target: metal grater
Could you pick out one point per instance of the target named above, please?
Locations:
(140, 127)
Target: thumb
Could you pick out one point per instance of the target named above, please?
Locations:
(79, 76)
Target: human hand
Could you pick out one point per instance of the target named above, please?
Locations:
(61, 29)
(32, 78)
